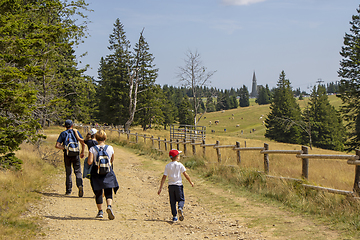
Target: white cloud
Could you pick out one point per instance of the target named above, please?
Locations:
(241, 2)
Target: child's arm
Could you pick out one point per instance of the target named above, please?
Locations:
(77, 136)
(162, 183)
(81, 142)
(188, 178)
(90, 159)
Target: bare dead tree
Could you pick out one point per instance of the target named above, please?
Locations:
(194, 75)
(134, 81)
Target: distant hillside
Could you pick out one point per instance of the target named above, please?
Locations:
(246, 122)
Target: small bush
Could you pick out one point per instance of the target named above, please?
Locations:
(9, 161)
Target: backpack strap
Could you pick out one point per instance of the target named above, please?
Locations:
(96, 148)
(71, 131)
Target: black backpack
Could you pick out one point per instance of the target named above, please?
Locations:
(71, 144)
(102, 160)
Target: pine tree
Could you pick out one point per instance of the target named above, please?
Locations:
(263, 96)
(244, 97)
(349, 90)
(142, 88)
(284, 112)
(210, 105)
(113, 87)
(233, 102)
(185, 112)
(36, 37)
(327, 131)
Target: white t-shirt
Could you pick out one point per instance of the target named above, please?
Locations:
(173, 171)
(109, 150)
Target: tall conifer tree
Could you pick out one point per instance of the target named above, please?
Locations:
(349, 90)
(284, 112)
(113, 78)
(327, 131)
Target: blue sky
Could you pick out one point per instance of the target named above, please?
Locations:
(233, 37)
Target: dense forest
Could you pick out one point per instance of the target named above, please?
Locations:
(41, 84)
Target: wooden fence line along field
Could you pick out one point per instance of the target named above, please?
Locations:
(303, 154)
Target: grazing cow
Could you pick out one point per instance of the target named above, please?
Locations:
(209, 122)
(238, 125)
(212, 131)
(217, 122)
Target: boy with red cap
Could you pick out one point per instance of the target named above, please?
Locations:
(173, 170)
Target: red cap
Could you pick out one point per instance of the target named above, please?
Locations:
(173, 153)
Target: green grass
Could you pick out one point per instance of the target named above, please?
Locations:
(248, 118)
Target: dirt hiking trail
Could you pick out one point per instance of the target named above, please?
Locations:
(210, 212)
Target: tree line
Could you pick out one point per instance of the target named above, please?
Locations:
(41, 84)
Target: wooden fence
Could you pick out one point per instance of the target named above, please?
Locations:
(166, 145)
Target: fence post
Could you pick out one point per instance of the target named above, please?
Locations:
(165, 143)
(185, 149)
(128, 136)
(144, 138)
(305, 163)
(177, 144)
(119, 134)
(159, 143)
(218, 151)
(171, 144)
(238, 153)
(204, 148)
(356, 188)
(152, 141)
(193, 147)
(136, 138)
(266, 158)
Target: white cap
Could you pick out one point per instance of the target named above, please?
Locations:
(93, 131)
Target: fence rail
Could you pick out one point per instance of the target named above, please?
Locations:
(303, 154)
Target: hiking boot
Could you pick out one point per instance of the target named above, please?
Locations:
(81, 191)
(110, 213)
(181, 214)
(175, 219)
(100, 214)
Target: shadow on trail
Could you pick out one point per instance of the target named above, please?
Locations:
(156, 220)
(73, 218)
(50, 194)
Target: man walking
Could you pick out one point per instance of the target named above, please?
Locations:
(69, 143)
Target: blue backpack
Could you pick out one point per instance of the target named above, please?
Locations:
(102, 160)
(71, 144)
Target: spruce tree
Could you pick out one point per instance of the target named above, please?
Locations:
(210, 105)
(284, 112)
(349, 90)
(263, 96)
(113, 87)
(327, 131)
(185, 112)
(244, 97)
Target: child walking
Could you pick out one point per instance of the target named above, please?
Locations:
(173, 170)
(103, 184)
